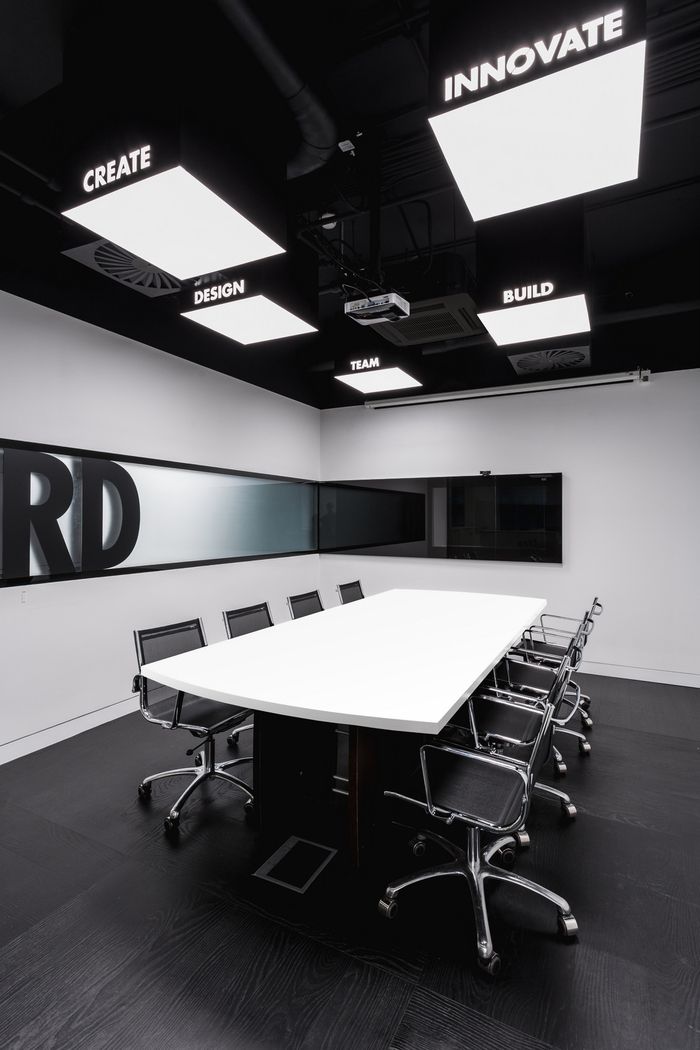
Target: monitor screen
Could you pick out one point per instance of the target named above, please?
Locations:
(510, 517)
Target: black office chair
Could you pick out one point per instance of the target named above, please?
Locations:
(525, 678)
(350, 592)
(347, 592)
(174, 709)
(548, 641)
(506, 713)
(239, 622)
(503, 713)
(304, 604)
(546, 645)
(487, 792)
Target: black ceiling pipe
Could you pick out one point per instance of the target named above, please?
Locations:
(316, 128)
(46, 179)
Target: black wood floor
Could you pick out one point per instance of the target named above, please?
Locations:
(111, 937)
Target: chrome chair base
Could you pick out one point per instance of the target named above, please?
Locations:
(474, 865)
(583, 743)
(206, 769)
(546, 791)
(558, 764)
(232, 738)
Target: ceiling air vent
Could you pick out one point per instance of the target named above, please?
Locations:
(433, 320)
(551, 360)
(119, 265)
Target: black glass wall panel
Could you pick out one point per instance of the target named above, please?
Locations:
(513, 517)
(382, 514)
(66, 514)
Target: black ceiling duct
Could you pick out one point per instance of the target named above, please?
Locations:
(317, 130)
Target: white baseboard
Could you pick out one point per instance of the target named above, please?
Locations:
(642, 674)
(53, 734)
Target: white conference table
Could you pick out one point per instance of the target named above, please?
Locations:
(399, 662)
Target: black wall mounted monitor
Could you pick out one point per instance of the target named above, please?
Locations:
(510, 517)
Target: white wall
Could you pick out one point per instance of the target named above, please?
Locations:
(631, 493)
(67, 649)
(631, 507)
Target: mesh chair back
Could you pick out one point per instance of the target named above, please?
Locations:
(304, 604)
(350, 592)
(157, 643)
(245, 621)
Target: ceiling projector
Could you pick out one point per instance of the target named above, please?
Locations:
(378, 308)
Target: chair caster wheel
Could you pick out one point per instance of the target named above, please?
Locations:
(250, 811)
(568, 927)
(145, 791)
(198, 759)
(387, 908)
(232, 739)
(586, 721)
(492, 965)
(417, 847)
(506, 857)
(523, 839)
(560, 769)
(569, 810)
(584, 747)
(171, 825)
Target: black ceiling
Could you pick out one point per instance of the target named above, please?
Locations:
(399, 220)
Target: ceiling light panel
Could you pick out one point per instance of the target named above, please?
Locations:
(256, 319)
(543, 320)
(566, 133)
(380, 379)
(176, 223)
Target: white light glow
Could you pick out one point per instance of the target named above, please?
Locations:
(567, 133)
(253, 320)
(545, 320)
(379, 379)
(174, 222)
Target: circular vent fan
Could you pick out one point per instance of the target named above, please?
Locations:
(128, 269)
(547, 360)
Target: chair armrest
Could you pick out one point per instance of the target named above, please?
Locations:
(549, 632)
(574, 703)
(140, 686)
(495, 692)
(556, 616)
(560, 626)
(536, 659)
(178, 709)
